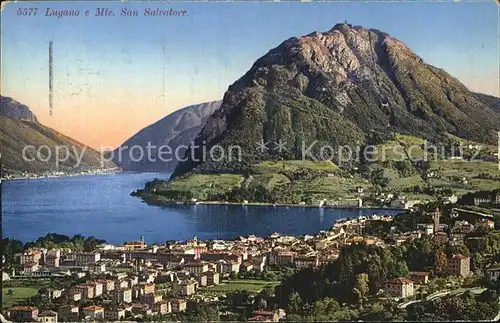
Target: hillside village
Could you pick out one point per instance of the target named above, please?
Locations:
(137, 281)
(314, 113)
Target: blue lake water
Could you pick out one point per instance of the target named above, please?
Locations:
(101, 206)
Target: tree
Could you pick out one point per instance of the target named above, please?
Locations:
(295, 303)
(288, 272)
(41, 301)
(346, 271)
(383, 312)
(242, 317)
(454, 249)
(482, 227)
(206, 313)
(240, 298)
(440, 260)
(405, 168)
(267, 292)
(294, 318)
(419, 254)
(378, 178)
(260, 303)
(325, 309)
(270, 275)
(362, 284)
(78, 241)
(465, 307)
(9, 250)
(362, 288)
(91, 243)
(399, 269)
(376, 274)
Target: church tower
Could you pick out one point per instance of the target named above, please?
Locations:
(437, 215)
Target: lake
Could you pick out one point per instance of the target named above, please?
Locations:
(101, 206)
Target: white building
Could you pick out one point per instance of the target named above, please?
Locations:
(494, 273)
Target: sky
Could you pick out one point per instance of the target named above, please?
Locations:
(115, 75)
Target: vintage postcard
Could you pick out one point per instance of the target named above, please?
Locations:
(250, 161)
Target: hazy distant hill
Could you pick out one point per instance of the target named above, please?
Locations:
(19, 128)
(15, 110)
(492, 101)
(177, 128)
(340, 88)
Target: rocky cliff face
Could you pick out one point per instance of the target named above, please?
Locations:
(340, 87)
(15, 110)
(177, 129)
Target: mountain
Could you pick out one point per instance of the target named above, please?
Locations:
(15, 110)
(489, 100)
(341, 87)
(176, 129)
(20, 128)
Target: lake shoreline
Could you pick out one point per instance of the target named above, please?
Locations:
(37, 176)
(349, 207)
(158, 201)
(101, 206)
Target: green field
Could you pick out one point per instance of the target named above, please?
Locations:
(251, 286)
(465, 142)
(462, 168)
(406, 182)
(271, 181)
(19, 294)
(310, 182)
(330, 188)
(21, 290)
(275, 166)
(290, 181)
(465, 176)
(296, 181)
(201, 185)
(459, 176)
(398, 148)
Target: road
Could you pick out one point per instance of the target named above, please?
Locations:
(497, 318)
(475, 290)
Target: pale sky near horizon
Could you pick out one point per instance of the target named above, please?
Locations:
(116, 75)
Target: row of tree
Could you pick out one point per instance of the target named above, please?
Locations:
(11, 247)
(78, 242)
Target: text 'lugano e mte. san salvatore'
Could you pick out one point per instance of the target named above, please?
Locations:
(106, 12)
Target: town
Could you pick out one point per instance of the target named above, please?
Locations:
(246, 278)
(51, 174)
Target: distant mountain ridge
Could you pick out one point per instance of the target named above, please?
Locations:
(19, 128)
(340, 88)
(176, 129)
(15, 110)
(492, 101)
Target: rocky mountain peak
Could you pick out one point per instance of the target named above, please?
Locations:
(339, 87)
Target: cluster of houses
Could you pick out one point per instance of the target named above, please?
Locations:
(402, 287)
(134, 280)
(456, 265)
(121, 281)
(118, 282)
(486, 198)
